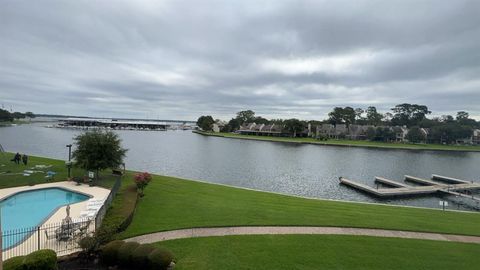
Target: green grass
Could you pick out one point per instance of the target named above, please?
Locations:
(349, 143)
(11, 174)
(172, 203)
(308, 252)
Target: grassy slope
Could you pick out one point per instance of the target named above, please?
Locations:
(14, 173)
(172, 204)
(352, 143)
(308, 252)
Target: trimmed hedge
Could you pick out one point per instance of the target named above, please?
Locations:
(160, 259)
(125, 253)
(109, 252)
(132, 254)
(45, 259)
(15, 263)
(140, 255)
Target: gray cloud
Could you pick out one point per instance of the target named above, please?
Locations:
(180, 59)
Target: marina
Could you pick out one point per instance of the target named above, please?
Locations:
(122, 124)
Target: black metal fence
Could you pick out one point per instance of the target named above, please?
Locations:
(61, 237)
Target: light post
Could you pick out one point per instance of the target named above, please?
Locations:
(69, 163)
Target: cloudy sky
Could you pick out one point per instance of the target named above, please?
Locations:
(181, 59)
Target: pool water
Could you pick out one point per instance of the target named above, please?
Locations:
(29, 209)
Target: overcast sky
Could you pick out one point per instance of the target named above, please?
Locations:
(181, 59)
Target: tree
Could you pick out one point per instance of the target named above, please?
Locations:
(18, 115)
(409, 114)
(336, 116)
(370, 133)
(342, 115)
(98, 150)
(294, 126)
(260, 120)
(247, 116)
(205, 122)
(450, 132)
(373, 117)
(461, 115)
(359, 114)
(415, 135)
(30, 115)
(5, 116)
(232, 125)
(141, 181)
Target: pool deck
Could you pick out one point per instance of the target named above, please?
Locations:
(58, 215)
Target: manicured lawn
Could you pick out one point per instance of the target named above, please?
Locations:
(352, 143)
(171, 203)
(310, 252)
(11, 174)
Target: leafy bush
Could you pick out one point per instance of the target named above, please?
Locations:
(88, 244)
(45, 259)
(160, 259)
(15, 263)
(142, 180)
(140, 255)
(125, 253)
(109, 252)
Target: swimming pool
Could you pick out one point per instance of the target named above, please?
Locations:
(31, 208)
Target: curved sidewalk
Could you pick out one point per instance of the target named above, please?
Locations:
(279, 230)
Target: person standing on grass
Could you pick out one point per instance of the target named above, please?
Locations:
(16, 158)
(25, 159)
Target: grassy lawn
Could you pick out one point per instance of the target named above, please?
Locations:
(351, 143)
(320, 252)
(11, 174)
(171, 203)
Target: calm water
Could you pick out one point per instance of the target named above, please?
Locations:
(17, 210)
(305, 170)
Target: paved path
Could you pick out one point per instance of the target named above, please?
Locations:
(259, 230)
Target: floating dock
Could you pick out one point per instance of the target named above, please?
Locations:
(427, 186)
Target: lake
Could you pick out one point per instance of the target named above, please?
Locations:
(303, 170)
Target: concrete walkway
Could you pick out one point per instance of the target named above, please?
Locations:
(259, 230)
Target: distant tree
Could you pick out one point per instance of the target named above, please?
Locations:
(461, 115)
(294, 126)
(349, 116)
(447, 118)
(342, 115)
(30, 115)
(373, 117)
(409, 114)
(205, 122)
(5, 116)
(98, 150)
(415, 135)
(247, 116)
(384, 134)
(450, 132)
(370, 133)
(18, 115)
(336, 116)
(260, 120)
(359, 114)
(232, 125)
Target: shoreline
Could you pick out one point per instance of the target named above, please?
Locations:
(326, 143)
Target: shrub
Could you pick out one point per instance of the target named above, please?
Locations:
(15, 263)
(160, 259)
(45, 259)
(125, 253)
(140, 255)
(109, 252)
(88, 244)
(142, 180)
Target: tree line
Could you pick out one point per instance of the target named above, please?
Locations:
(444, 129)
(6, 116)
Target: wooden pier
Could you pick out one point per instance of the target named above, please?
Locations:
(427, 186)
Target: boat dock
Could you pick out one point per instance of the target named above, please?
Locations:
(449, 186)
